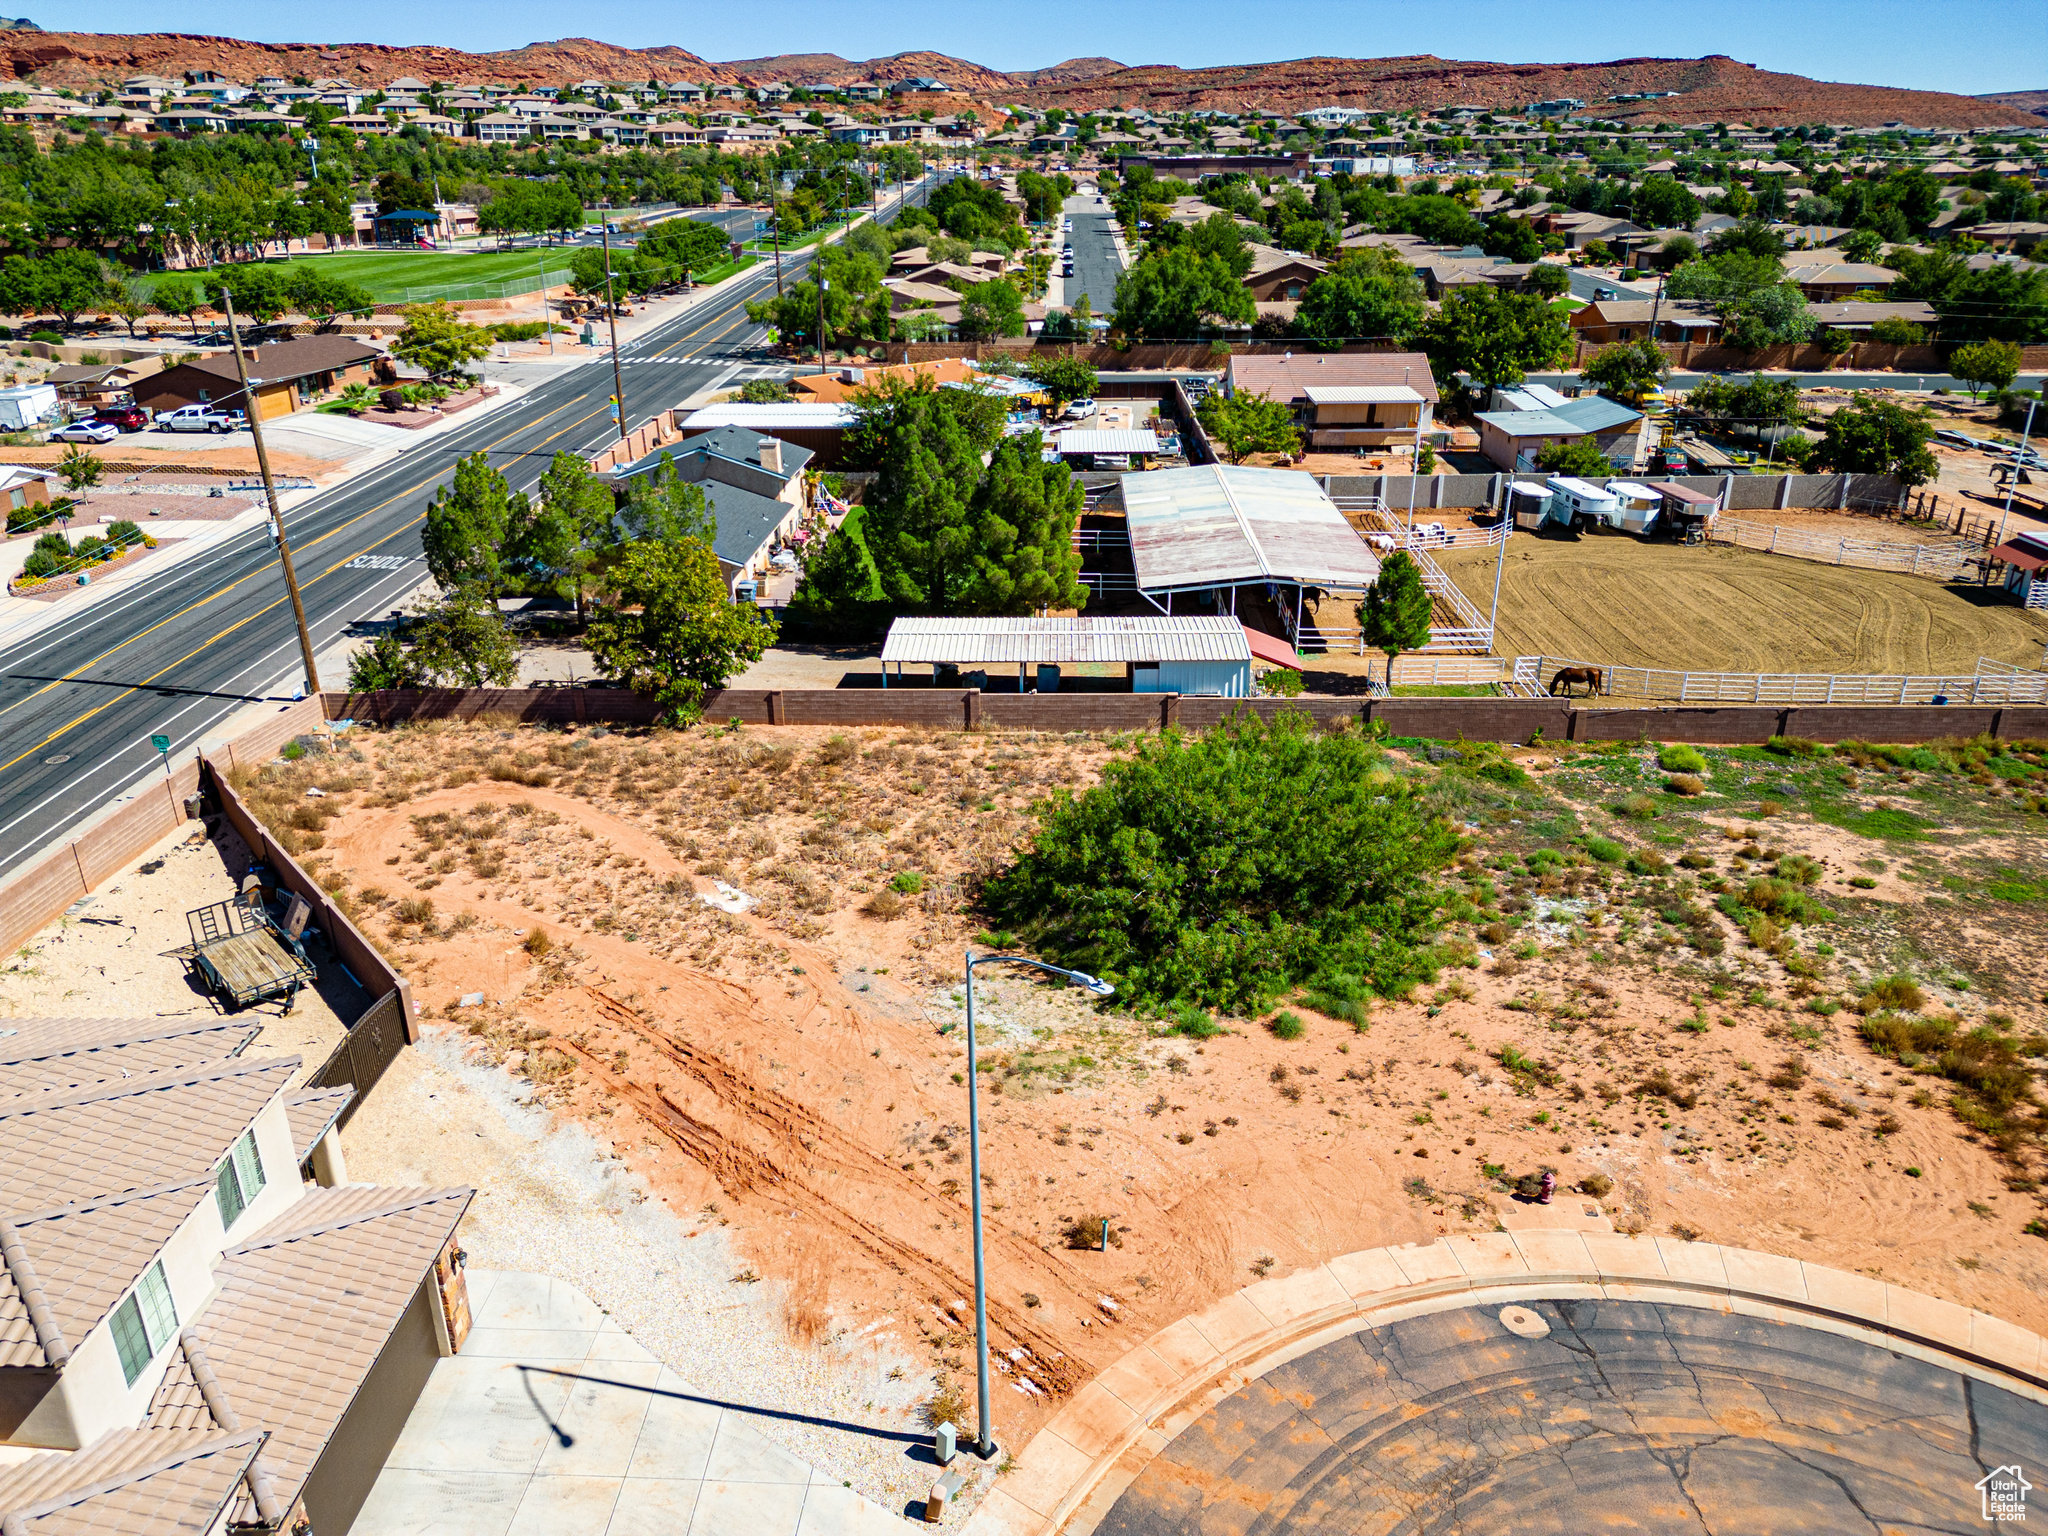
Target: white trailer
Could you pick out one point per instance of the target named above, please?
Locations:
(26, 406)
(1641, 506)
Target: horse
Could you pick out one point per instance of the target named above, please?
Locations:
(1569, 678)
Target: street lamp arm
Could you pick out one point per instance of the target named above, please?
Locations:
(1080, 978)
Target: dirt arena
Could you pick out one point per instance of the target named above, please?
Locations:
(1714, 608)
(792, 1073)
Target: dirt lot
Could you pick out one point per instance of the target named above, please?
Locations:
(789, 1077)
(1614, 600)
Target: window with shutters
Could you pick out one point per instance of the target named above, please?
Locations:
(239, 1179)
(144, 1322)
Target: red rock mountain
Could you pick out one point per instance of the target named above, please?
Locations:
(1715, 88)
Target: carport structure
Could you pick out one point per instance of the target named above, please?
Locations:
(1213, 528)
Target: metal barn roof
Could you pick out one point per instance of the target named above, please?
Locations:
(998, 642)
(1362, 394)
(1221, 525)
(1107, 440)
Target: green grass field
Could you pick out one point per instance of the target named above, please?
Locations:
(395, 277)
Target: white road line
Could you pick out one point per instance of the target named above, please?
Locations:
(7, 859)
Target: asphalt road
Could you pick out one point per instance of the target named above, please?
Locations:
(177, 651)
(1620, 1416)
(1096, 267)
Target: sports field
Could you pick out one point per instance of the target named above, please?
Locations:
(1612, 600)
(397, 277)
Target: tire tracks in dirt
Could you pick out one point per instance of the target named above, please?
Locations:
(780, 1147)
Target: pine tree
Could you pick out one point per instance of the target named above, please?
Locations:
(1396, 610)
(1024, 514)
(467, 526)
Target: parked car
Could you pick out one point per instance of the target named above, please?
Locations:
(201, 418)
(94, 432)
(125, 418)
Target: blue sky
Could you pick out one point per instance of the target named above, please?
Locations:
(1967, 46)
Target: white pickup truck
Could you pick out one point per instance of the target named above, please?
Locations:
(201, 418)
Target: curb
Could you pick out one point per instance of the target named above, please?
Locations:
(1080, 1463)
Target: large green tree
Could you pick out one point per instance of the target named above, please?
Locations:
(468, 523)
(1063, 378)
(1494, 336)
(1627, 367)
(437, 339)
(554, 542)
(1870, 436)
(1234, 866)
(1370, 294)
(1395, 614)
(671, 630)
(1023, 516)
(1244, 422)
(990, 310)
(1178, 293)
(1986, 364)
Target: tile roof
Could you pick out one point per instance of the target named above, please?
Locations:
(131, 1482)
(137, 1133)
(79, 1261)
(40, 1055)
(303, 1310)
(311, 1115)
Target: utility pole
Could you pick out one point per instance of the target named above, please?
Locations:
(2019, 462)
(775, 238)
(547, 326)
(284, 548)
(824, 287)
(611, 312)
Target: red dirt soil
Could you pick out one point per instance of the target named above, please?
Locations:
(798, 1068)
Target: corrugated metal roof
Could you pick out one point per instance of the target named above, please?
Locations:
(1105, 440)
(1589, 414)
(1363, 394)
(1221, 525)
(761, 418)
(1009, 642)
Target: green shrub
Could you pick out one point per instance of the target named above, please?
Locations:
(1606, 850)
(1636, 807)
(1646, 861)
(909, 883)
(123, 532)
(1794, 746)
(1680, 758)
(1799, 869)
(1188, 1020)
(50, 338)
(1784, 900)
(1286, 1026)
(1284, 682)
(1234, 866)
(1895, 991)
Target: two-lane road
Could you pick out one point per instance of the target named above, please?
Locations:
(177, 651)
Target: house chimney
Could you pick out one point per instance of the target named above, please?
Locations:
(771, 455)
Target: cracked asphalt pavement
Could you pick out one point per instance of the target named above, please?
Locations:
(1624, 1416)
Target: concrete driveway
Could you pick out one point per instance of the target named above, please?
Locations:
(552, 1421)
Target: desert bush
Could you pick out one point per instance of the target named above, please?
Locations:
(1234, 866)
(1798, 868)
(1606, 850)
(416, 909)
(1687, 784)
(537, 943)
(1596, 1184)
(1680, 758)
(885, 903)
(1661, 1083)
(1186, 1019)
(1084, 1233)
(1895, 991)
(1789, 1075)
(1286, 1026)
(908, 883)
(1636, 807)
(1783, 900)
(1794, 746)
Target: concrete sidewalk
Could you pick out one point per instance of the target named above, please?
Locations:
(553, 1421)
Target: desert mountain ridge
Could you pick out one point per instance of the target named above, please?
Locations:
(1715, 88)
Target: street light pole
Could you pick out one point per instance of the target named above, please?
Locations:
(284, 548)
(611, 311)
(985, 1444)
(824, 287)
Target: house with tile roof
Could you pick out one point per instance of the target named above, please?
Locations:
(203, 1325)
